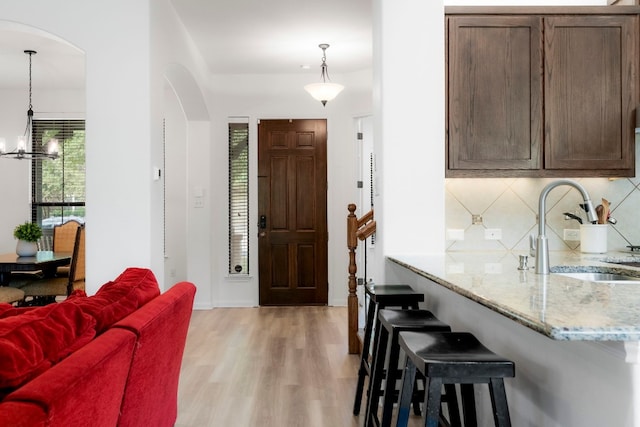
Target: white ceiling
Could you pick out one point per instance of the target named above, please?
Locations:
(56, 63)
(278, 36)
(234, 36)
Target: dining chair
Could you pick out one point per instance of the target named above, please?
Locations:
(10, 295)
(64, 237)
(44, 291)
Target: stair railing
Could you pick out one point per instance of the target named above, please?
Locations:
(357, 229)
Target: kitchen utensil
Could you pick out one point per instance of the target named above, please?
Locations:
(600, 213)
(607, 210)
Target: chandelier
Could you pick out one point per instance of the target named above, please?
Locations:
(324, 91)
(22, 150)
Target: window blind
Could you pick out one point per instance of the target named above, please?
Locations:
(58, 186)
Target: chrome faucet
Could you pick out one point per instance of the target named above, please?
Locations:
(542, 245)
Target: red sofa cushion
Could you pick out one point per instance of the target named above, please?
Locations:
(7, 310)
(116, 300)
(33, 341)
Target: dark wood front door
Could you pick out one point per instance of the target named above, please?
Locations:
(292, 212)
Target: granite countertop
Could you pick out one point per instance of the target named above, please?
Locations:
(559, 307)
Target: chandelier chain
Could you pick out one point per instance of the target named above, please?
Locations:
(30, 91)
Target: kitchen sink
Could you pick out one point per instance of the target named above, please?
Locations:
(601, 277)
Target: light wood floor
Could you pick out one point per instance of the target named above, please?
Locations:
(268, 367)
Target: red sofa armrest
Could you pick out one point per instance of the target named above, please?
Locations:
(86, 388)
(151, 393)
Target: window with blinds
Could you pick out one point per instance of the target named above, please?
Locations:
(58, 186)
(239, 198)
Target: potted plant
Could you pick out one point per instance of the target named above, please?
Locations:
(28, 235)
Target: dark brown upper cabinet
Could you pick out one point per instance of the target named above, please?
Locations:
(541, 92)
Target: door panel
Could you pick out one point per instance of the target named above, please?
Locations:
(590, 81)
(292, 183)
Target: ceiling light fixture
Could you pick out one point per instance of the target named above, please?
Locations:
(21, 151)
(324, 91)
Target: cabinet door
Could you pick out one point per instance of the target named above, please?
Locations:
(590, 92)
(494, 91)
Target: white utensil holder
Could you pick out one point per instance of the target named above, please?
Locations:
(593, 238)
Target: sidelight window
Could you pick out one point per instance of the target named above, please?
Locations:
(239, 197)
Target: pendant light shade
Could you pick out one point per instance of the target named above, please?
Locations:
(324, 91)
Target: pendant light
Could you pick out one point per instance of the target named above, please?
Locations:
(324, 91)
(22, 150)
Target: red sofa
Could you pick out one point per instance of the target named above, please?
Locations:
(112, 359)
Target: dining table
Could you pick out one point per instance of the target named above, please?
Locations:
(45, 261)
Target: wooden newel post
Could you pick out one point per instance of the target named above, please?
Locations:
(352, 299)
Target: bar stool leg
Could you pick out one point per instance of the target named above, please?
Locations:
(392, 376)
(499, 403)
(406, 393)
(468, 405)
(451, 399)
(362, 372)
(432, 396)
(377, 373)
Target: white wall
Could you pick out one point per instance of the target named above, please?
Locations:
(176, 64)
(174, 177)
(124, 203)
(127, 72)
(271, 97)
(125, 86)
(118, 160)
(409, 126)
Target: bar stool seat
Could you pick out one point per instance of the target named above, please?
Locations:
(452, 358)
(380, 296)
(393, 322)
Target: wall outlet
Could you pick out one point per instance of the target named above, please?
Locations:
(493, 234)
(572, 234)
(455, 233)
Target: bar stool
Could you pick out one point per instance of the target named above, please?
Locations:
(392, 322)
(380, 296)
(452, 358)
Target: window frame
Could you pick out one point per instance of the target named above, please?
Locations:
(65, 131)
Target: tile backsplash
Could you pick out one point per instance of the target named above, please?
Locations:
(511, 205)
